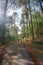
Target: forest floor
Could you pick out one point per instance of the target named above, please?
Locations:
(36, 50)
(16, 54)
(23, 54)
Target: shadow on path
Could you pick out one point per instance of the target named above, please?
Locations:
(17, 55)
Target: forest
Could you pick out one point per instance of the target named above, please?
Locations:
(30, 23)
(21, 22)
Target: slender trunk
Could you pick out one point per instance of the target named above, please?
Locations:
(26, 14)
(27, 24)
(36, 25)
(36, 20)
(23, 25)
(41, 5)
(31, 21)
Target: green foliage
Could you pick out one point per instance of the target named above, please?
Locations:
(37, 21)
(9, 38)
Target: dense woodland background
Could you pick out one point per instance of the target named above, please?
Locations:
(30, 24)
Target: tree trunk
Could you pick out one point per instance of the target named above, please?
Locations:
(41, 5)
(31, 21)
(3, 25)
(26, 14)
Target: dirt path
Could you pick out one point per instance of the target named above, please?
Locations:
(17, 55)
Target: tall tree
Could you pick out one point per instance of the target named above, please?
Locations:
(22, 24)
(26, 4)
(3, 25)
(40, 1)
(31, 20)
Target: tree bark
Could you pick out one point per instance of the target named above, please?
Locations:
(41, 5)
(31, 21)
(3, 25)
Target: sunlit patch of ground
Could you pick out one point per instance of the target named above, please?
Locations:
(22, 62)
